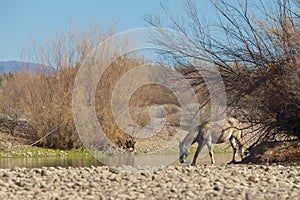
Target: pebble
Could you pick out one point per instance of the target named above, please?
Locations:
(114, 170)
(5, 174)
(217, 188)
(253, 179)
(44, 172)
(234, 173)
(126, 182)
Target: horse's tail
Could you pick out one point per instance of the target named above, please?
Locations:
(241, 128)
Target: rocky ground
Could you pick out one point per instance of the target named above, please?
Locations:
(244, 181)
(173, 182)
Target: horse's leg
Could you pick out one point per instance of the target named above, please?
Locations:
(199, 148)
(239, 143)
(211, 153)
(233, 145)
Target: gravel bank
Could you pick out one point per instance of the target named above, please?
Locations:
(173, 182)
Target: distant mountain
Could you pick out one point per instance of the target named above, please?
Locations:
(14, 66)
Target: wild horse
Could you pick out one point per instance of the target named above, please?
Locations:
(212, 133)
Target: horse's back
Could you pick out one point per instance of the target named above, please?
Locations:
(230, 128)
(217, 133)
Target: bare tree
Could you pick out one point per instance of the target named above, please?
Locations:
(256, 50)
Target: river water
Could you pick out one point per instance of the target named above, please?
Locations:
(87, 161)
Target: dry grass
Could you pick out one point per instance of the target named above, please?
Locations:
(44, 95)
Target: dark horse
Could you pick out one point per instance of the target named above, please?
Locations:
(211, 133)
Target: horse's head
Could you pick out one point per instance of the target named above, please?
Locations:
(183, 152)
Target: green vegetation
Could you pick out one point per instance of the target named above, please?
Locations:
(38, 152)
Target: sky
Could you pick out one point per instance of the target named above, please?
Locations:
(22, 20)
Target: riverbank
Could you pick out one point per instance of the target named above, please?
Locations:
(37, 152)
(27, 151)
(175, 182)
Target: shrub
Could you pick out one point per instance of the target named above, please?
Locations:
(256, 52)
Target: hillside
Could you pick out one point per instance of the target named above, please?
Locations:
(13, 66)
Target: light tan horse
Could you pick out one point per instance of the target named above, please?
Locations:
(212, 133)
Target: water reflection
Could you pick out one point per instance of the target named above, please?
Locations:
(49, 162)
(139, 160)
(160, 159)
(87, 161)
